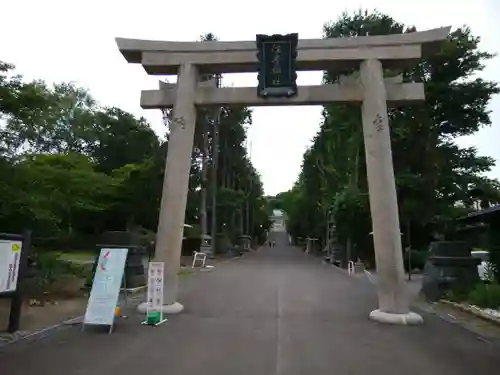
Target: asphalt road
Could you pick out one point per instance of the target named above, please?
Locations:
(277, 311)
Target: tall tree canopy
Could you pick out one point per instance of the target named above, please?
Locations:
(72, 168)
(436, 179)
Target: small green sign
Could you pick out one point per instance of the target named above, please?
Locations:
(277, 73)
(153, 317)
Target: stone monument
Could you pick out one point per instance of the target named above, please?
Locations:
(449, 267)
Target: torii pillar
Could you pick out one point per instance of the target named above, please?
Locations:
(391, 286)
(175, 186)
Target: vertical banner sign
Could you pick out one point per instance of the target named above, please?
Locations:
(155, 293)
(10, 256)
(106, 287)
(277, 74)
(155, 287)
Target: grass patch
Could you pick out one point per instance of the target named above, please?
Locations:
(184, 273)
(76, 257)
(484, 295)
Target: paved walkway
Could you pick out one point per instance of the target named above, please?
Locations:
(278, 311)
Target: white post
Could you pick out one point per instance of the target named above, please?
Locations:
(175, 186)
(393, 303)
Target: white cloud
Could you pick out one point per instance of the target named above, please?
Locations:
(63, 41)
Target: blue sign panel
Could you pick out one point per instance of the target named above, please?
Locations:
(106, 287)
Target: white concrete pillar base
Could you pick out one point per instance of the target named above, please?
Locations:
(174, 308)
(409, 319)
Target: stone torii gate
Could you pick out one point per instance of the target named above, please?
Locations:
(370, 54)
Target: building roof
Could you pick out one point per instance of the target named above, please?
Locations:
(483, 212)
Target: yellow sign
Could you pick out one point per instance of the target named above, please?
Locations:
(10, 256)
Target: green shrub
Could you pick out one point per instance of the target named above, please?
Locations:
(75, 269)
(450, 296)
(485, 295)
(456, 295)
(89, 277)
(494, 250)
(50, 267)
(418, 259)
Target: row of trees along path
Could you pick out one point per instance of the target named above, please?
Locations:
(436, 179)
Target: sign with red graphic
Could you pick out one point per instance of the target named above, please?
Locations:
(106, 287)
(104, 260)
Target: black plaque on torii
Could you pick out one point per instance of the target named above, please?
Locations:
(277, 74)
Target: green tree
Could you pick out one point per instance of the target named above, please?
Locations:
(119, 139)
(72, 168)
(53, 120)
(52, 192)
(433, 174)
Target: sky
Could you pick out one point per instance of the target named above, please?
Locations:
(58, 40)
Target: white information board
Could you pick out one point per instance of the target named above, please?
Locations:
(106, 287)
(10, 257)
(154, 311)
(155, 286)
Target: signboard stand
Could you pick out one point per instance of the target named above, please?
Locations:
(14, 251)
(154, 313)
(124, 289)
(125, 300)
(105, 292)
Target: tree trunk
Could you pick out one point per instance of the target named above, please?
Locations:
(215, 165)
(203, 192)
(242, 227)
(353, 181)
(247, 212)
(349, 249)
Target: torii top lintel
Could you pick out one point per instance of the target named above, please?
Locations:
(396, 51)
